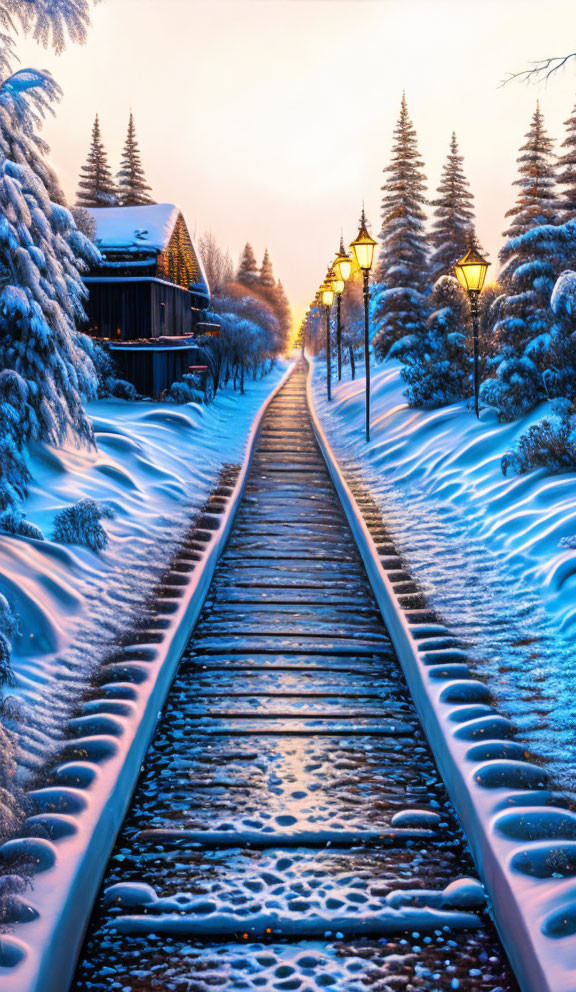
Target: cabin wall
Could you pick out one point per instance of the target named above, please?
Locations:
(171, 310)
(153, 370)
(128, 310)
(120, 311)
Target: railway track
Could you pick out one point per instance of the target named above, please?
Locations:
(289, 829)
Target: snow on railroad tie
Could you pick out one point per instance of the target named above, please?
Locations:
(290, 829)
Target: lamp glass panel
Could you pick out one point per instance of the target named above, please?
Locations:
(343, 268)
(327, 297)
(364, 252)
(338, 285)
(474, 276)
(461, 277)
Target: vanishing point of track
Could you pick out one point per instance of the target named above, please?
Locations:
(289, 789)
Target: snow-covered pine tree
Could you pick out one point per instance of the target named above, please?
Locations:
(273, 293)
(41, 252)
(133, 190)
(453, 224)
(537, 201)
(96, 186)
(567, 170)
(45, 373)
(531, 259)
(49, 21)
(248, 272)
(267, 272)
(402, 274)
(284, 315)
(438, 372)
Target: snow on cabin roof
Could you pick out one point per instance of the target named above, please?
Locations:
(148, 228)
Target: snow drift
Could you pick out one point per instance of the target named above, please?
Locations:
(153, 467)
(492, 553)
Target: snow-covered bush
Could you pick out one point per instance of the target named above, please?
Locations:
(106, 371)
(544, 445)
(515, 390)
(80, 524)
(559, 358)
(120, 389)
(13, 521)
(186, 391)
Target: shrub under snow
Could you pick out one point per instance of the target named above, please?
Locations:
(544, 445)
(108, 382)
(80, 524)
(186, 391)
(13, 521)
(515, 390)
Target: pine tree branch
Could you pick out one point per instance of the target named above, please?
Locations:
(539, 71)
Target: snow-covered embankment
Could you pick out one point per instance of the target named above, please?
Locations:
(489, 551)
(154, 466)
(521, 833)
(68, 841)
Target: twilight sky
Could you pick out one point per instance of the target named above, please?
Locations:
(271, 120)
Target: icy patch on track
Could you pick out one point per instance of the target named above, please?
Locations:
(344, 911)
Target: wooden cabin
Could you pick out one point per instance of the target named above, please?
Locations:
(149, 296)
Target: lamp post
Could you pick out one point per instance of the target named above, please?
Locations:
(327, 295)
(471, 274)
(342, 268)
(363, 249)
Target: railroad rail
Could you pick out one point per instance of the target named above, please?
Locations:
(290, 829)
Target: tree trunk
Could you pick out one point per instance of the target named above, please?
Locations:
(352, 361)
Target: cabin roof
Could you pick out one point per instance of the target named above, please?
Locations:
(147, 228)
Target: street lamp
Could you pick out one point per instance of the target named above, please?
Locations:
(363, 248)
(342, 270)
(327, 296)
(471, 274)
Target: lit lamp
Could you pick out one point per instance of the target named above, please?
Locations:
(327, 296)
(363, 248)
(342, 269)
(471, 274)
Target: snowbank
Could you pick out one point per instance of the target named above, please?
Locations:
(69, 839)
(486, 549)
(154, 466)
(521, 834)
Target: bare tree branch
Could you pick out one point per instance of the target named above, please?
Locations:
(539, 71)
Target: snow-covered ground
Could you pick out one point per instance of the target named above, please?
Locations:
(154, 466)
(486, 549)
